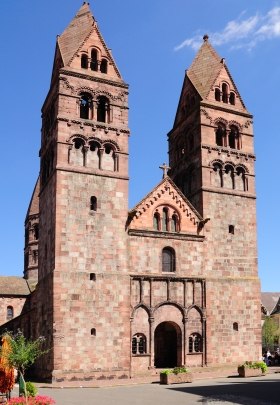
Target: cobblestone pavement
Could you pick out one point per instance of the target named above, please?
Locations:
(263, 390)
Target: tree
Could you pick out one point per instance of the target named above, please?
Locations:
(21, 353)
(269, 330)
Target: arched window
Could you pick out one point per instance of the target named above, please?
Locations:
(93, 203)
(156, 221)
(164, 219)
(217, 95)
(85, 106)
(78, 143)
(93, 62)
(168, 260)
(225, 93)
(103, 66)
(228, 178)
(36, 231)
(240, 180)
(232, 98)
(84, 62)
(220, 135)
(10, 312)
(231, 229)
(234, 138)
(195, 343)
(93, 332)
(217, 178)
(139, 344)
(235, 326)
(102, 109)
(174, 223)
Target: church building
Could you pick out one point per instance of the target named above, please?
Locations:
(172, 281)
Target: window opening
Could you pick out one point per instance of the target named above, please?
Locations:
(92, 277)
(103, 66)
(93, 332)
(102, 107)
(36, 231)
(164, 219)
(231, 229)
(93, 203)
(10, 312)
(85, 106)
(225, 93)
(138, 344)
(84, 62)
(235, 326)
(93, 62)
(168, 260)
(156, 222)
(232, 136)
(232, 98)
(195, 343)
(78, 143)
(220, 133)
(173, 223)
(217, 95)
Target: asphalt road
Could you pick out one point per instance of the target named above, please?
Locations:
(223, 391)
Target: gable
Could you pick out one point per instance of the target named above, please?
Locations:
(166, 196)
(224, 78)
(189, 98)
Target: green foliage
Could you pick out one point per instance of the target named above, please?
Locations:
(268, 331)
(23, 352)
(176, 370)
(256, 364)
(31, 390)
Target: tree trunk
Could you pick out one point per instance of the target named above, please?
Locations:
(24, 385)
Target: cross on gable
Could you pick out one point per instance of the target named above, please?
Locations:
(164, 167)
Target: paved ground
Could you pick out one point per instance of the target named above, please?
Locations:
(222, 391)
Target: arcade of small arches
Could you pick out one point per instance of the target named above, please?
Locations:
(225, 95)
(94, 154)
(184, 145)
(230, 138)
(228, 175)
(98, 108)
(166, 219)
(169, 343)
(95, 62)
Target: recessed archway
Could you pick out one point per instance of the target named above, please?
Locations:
(168, 345)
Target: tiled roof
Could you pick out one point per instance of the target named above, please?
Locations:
(33, 208)
(12, 285)
(76, 32)
(270, 300)
(205, 69)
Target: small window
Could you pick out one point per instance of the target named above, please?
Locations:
(225, 93)
(85, 106)
(173, 223)
(84, 62)
(156, 221)
(102, 109)
(168, 260)
(235, 326)
(217, 95)
(220, 136)
(93, 203)
(231, 229)
(93, 62)
(36, 231)
(164, 219)
(92, 277)
(103, 66)
(93, 332)
(10, 312)
(232, 98)
(195, 343)
(138, 344)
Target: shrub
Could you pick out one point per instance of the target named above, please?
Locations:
(176, 370)
(31, 390)
(256, 364)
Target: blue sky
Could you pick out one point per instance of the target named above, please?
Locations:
(153, 42)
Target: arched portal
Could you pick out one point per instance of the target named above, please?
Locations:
(168, 345)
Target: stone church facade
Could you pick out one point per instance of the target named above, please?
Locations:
(172, 281)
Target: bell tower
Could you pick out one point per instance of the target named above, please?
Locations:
(84, 190)
(211, 155)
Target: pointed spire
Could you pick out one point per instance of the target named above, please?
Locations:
(76, 32)
(205, 68)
